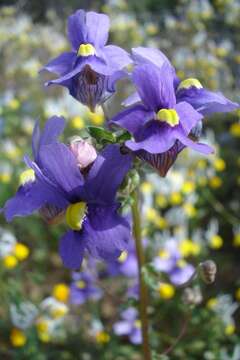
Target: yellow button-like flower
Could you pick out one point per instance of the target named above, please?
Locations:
(77, 122)
(161, 201)
(175, 198)
(211, 303)
(61, 292)
(21, 251)
(188, 187)
(14, 104)
(219, 164)
(189, 248)
(215, 182)
(236, 240)
(102, 337)
(146, 187)
(10, 261)
(237, 294)
(230, 329)
(235, 129)
(190, 210)
(216, 242)
(151, 214)
(17, 338)
(166, 291)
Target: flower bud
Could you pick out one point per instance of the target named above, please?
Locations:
(208, 270)
(84, 152)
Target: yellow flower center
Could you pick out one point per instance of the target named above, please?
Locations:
(27, 176)
(86, 50)
(81, 284)
(75, 214)
(170, 116)
(137, 324)
(123, 256)
(191, 82)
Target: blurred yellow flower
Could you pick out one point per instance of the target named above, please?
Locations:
(146, 187)
(61, 292)
(43, 330)
(77, 122)
(237, 294)
(5, 178)
(10, 261)
(175, 198)
(202, 164)
(21, 251)
(166, 291)
(161, 201)
(230, 329)
(190, 210)
(151, 214)
(96, 118)
(17, 338)
(235, 129)
(59, 312)
(188, 187)
(219, 164)
(236, 240)
(211, 303)
(14, 104)
(189, 248)
(215, 182)
(216, 242)
(102, 337)
(202, 181)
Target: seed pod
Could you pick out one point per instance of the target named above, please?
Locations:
(207, 271)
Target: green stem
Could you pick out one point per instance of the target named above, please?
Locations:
(142, 285)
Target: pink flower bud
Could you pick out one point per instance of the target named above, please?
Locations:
(84, 152)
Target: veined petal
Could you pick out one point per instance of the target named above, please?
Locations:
(206, 102)
(162, 162)
(106, 175)
(133, 119)
(97, 28)
(77, 29)
(105, 232)
(71, 249)
(188, 116)
(116, 57)
(62, 64)
(155, 86)
(69, 75)
(154, 138)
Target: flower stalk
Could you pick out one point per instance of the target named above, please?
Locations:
(142, 286)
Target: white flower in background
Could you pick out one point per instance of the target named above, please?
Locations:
(23, 315)
(53, 308)
(7, 243)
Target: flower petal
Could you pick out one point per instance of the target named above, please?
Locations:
(202, 148)
(116, 57)
(133, 119)
(97, 27)
(206, 102)
(106, 174)
(131, 99)
(188, 116)
(105, 232)
(155, 138)
(123, 327)
(60, 166)
(149, 55)
(77, 29)
(155, 85)
(62, 64)
(162, 162)
(71, 249)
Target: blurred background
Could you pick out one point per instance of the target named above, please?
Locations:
(190, 216)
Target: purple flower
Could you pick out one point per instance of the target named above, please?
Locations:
(170, 262)
(126, 264)
(129, 326)
(83, 288)
(88, 203)
(91, 69)
(161, 127)
(189, 90)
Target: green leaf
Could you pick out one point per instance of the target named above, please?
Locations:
(101, 134)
